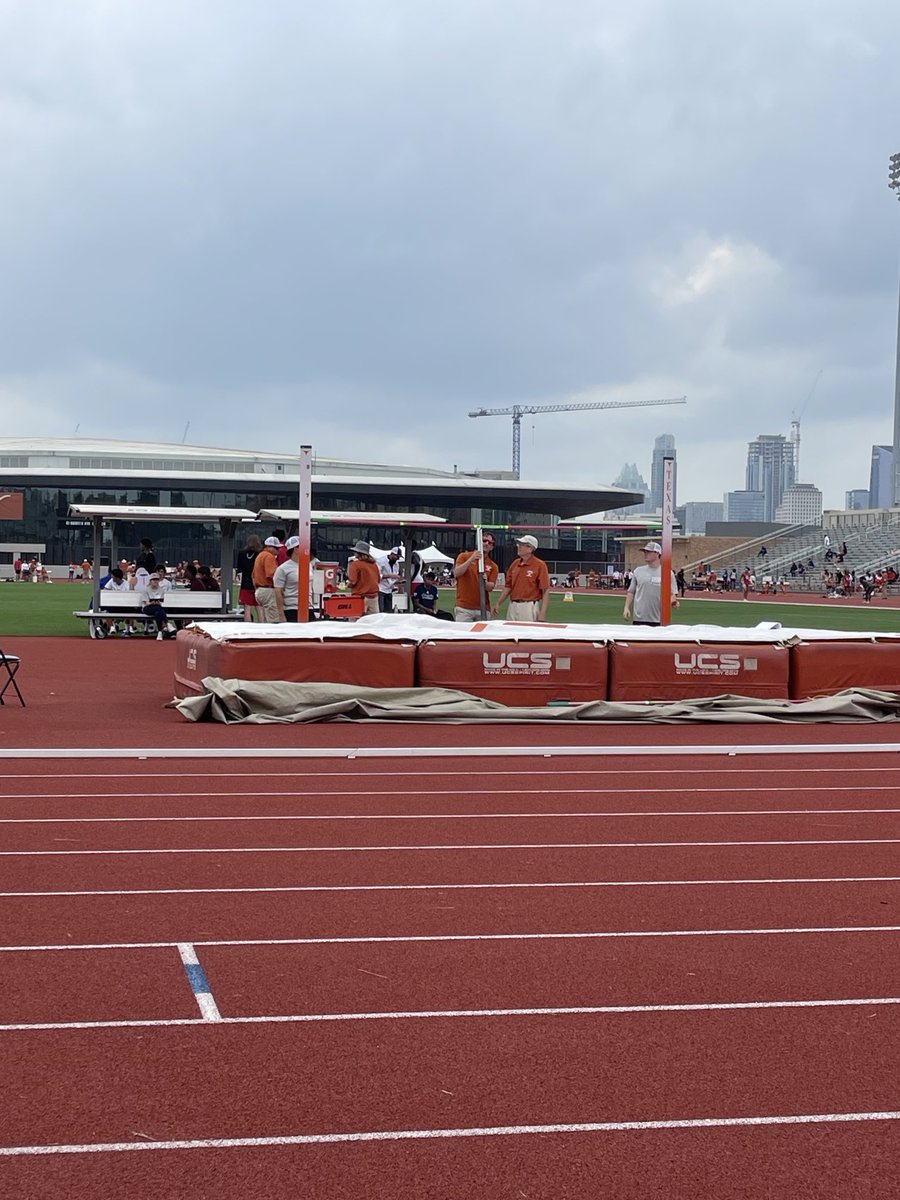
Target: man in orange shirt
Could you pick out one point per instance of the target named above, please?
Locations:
(468, 589)
(527, 584)
(364, 576)
(263, 572)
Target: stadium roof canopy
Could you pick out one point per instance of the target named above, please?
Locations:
(84, 462)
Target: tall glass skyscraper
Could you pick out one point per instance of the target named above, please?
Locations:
(663, 447)
(770, 469)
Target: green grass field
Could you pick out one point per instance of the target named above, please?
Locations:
(45, 610)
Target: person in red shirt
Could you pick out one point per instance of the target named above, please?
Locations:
(364, 576)
(468, 589)
(527, 584)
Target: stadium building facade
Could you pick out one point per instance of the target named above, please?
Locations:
(49, 475)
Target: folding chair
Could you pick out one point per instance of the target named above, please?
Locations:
(9, 663)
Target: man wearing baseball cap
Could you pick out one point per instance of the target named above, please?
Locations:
(263, 580)
(468, 587)
(644, 591)
(527, 584)
(286, 582)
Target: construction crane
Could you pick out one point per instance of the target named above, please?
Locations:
(517, 411)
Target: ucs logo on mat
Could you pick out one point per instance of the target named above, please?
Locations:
(524, 662)
(192, 659)
(710, 663)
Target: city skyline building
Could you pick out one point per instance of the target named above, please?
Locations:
(771, 469)
(881, 475)
(663, 448)
(801, 504)
(695, 514)
(856, 499)
(744, 506)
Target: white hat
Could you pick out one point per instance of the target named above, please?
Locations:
(292, 543)
(527, 540)
(273, 542)
(653, 547)
(396, 550)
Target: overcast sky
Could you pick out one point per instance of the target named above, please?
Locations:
(350, 222)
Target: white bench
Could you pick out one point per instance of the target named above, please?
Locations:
(182, 607)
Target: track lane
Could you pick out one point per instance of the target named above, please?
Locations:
(245, 1081)
(302, 832)
(818, 1162)
(435, 867)
(52, 920)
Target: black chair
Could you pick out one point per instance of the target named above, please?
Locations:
(9, 664)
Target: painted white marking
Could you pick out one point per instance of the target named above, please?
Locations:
(429, 848)
(449, 887)
(462, 816)
(398, 1135)
(462, 790)
(348, 753)
(581, 1010)
(369, 772)
(205, 1002)
(776, 931)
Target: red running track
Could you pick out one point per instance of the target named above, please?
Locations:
(732, 1010)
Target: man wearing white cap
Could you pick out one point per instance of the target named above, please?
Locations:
(527, 584)
(264, 580)
(389, 578)
(644, 591)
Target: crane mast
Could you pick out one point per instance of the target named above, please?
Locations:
(517, 411)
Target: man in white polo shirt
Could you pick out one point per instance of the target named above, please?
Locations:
(643, 594)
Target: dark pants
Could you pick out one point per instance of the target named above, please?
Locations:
(654, 624)
(158, 613)
(386, 601)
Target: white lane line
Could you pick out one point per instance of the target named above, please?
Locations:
(581, 1010)
(450, 887)
(462, 790)
(369, 773)
(462, 816)
(469, 937)
(405, 1135)
(350, 754)
(196, 977)
(455, 847)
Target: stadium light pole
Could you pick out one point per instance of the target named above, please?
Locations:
(894, 185)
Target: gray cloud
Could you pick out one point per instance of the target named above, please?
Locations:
(367, 218)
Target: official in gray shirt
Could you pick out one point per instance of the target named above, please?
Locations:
(643, 596)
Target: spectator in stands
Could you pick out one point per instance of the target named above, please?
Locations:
(762, 552)
(263, 580)
(363, 575)
(793, 569)
(244, 567)
(208, 581)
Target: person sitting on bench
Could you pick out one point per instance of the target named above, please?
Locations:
(152, 599)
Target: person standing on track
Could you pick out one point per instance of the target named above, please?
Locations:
(263, 580)
(644, 592)
(527, 584)
(468, 588)
(363, 576)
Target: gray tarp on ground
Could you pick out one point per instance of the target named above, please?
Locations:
(241, 701)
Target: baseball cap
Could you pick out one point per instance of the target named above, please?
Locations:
(527, 540)
(655, 547)
(154, 575)
(292, 543)
(273, 542)
(396, 550)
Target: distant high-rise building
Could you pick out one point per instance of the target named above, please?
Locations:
(801, 504)
(857, 498)
(881, 478)
(632, 480)
(745, 506)
(770, 469)
(663, 447)
(698, 512)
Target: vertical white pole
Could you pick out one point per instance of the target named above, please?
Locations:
(304, 532)
(668, 515)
